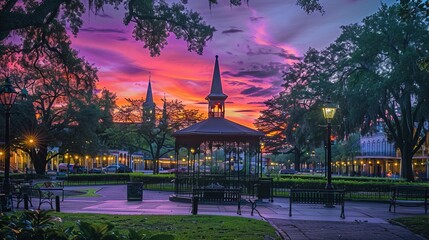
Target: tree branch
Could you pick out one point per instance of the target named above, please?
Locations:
(18, 20)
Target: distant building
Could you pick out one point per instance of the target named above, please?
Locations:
(380, 158)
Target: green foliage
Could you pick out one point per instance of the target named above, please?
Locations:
(413, 7)
(88, 231)
(179, 226)
(30, 225)
(42, 225)
(98, 178)
(151, 178)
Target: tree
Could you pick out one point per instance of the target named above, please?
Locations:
(153, 20)
(371, 71)
(154, 138)
(53, 74)
(411, 8)
(131, 112)
(379, 80)
(80, 137)
(292, 119)
(408, 8)
(157, 138)
(124, 134)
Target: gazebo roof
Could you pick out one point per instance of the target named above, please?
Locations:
(216, 129)
(218, 126)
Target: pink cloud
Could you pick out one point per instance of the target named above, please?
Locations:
(254, 45)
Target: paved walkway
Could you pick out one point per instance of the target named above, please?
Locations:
(363, 220)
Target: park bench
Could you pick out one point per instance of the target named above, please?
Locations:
(49, 190)
(219, 195)
(317, 196)
(409, 196)
(22, 190)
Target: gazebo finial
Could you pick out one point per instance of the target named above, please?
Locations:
(216, 97)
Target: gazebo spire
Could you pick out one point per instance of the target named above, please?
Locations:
(216, 98)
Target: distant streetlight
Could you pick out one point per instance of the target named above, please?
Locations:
(329, 110)
(313, 156)
(8, 96)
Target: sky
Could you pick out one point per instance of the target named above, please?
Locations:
(255, 44)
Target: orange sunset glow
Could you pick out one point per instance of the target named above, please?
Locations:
(256, 43)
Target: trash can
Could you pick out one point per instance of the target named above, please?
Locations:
(264, 189)
(134, 191)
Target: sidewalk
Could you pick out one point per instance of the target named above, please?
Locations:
(363, 220)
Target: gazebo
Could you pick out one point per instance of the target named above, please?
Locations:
(220, 154)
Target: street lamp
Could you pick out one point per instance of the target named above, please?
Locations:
(7, 98)
(329, 110)
(313, 157)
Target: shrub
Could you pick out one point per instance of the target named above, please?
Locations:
(41, 225)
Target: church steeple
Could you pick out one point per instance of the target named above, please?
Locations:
(216, 98)
(149, 105)
(164, 118)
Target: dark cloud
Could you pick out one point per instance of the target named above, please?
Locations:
(256, 80)
(255, 19)
(201, 103)
(286, 55)
(131, 69)
(245, 111)
(256, 103)
(122, 39)
(259, 92)
(232, 30)
(268, 51)
(101, 30)
(258, 71)
(251, 90)
(253, 73)
(236, 83)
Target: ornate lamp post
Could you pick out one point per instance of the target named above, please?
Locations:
(313, 158)
(329, 110)
(7, 98)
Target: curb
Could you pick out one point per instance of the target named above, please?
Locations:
(279, 231)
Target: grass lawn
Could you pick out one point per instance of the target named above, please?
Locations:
(87, 192)
(419, 225)
(182, 227)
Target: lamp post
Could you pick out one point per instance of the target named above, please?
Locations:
(193, 165)
(7, 98)
(329, 110)
(313, 157)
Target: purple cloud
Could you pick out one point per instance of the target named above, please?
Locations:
(232, 30)
(102, 30)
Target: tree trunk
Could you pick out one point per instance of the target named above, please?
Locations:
(155, 165)
(407, 162)
(297, 159)
(39, 160)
